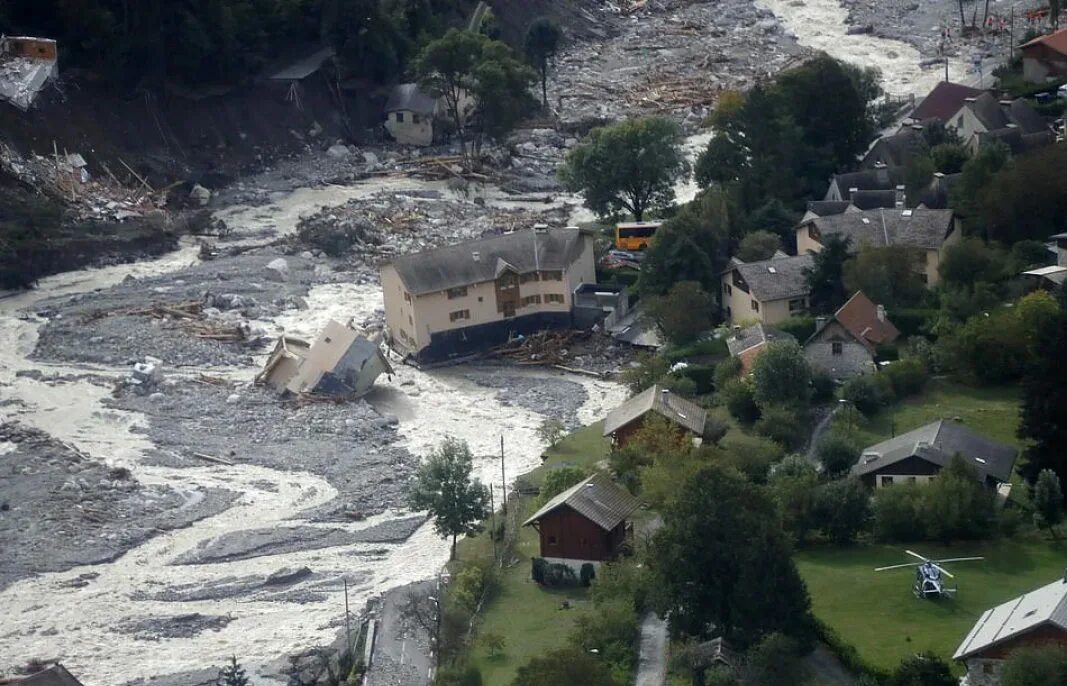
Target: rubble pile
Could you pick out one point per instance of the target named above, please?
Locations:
(581, 351)
(178, 626)
(349, 444)
(672, 57)
(88, 512)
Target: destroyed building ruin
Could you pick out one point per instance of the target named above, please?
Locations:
(27, 64)
(340, 362)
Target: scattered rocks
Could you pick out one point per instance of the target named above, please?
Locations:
(178, 626)
(278, 270)
(200, 195)
(338, 152)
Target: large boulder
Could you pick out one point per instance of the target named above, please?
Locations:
(339, 152)
(278, 270)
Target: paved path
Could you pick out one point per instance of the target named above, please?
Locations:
(652, 662)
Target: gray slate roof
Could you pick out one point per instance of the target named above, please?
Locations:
(1046, 605)
(937, 443)
(778, 278)
(523, 251)
(870, 200)
(597, 498)
(917, 228)
(751, 336)
(988, 111)
(823, 208)
(943, 101)
(409, 98)
(56, 675)
(683, 412)
(869, 180)
(899, 148)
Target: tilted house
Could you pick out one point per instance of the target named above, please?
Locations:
(627, 419)
(465, 298)
(846, 344)
(1034, 619)
(747, 343)
(1045, 57)
(920, 454)
(767, 291)
(56, 675)
(341, 361)
(587, 523)
(927, 231)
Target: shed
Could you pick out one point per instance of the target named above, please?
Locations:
(585, 523)
(627, 419)
(409, 114)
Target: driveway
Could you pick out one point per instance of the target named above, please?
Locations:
(652, 662)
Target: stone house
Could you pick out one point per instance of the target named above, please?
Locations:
(466, 298)
(767, 291)
(836, 350)
(1045, 57)
(1034, 619)
(926, 231)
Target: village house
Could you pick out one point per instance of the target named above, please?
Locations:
(825, 208)
(1034, 619)
(585, 524)
(767, 291)
(927, 231)
(627, 419)
(1045, 57)
(27, 65)
(897, 150)
(341, 362)
(845, 345)
(1051, 277)
(882, 178)
(940, 104)
(409, 115)
(920, 454)
(938, 192)
(983, 119)
(466, 298)
(746, 343)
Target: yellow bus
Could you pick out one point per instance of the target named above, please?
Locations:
(635, 235)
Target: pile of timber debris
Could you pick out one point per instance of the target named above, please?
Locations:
(552, 348)
(193, 317)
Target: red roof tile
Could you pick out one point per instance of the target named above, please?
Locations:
(1055, 41)
(860, 316)
(943, 101)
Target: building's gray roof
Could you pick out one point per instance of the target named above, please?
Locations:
(410, 98)
(899, 148)
(822, 208)
(597, 498)
(56, 675)
(1026, 117)
(987, 110)
(523, 251)
(751, 336)
(777, 278)
(943, 101)
(870, 200)
(936, 195)
(917, 228)
(677, 409)
(937, 443)
(1046, 605)
(305, 66)
(869, 180)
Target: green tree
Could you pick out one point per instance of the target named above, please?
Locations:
(1025, 201)
(631, 166)
(446, 68)
(918, 173)
(458, 675)
(551, 431)
(753, 456)
(232, 674)
(501, 89)
(837, 454)
(784, 424)
(842, 509)
(990, 348)
(949, 158)
(1043, 416)
(740, 401)
(972, 261)
(609, 630)
(683, 314)
(793, 485)
(897, 513)
(887, 275)
(494, 643)
(570, 665)
(542, 44)
(970, 196)
(758, 245)
(718, 529)
(956, 504)
(1048, 501)
(1036, 666)
(781, 375)
(444, 487)
(647, 370)
(924, 669)
(867, 393)
(776, 661)
(559, 480)
(826, 277)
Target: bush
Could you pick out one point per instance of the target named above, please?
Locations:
(537, 571)
(751, 455)
(897, 515)
(837, 454)
(611, 629)
(907, 377)
(715, 427)
(677, 383)
(737, 396)
(800, 328)
(784, 425)
(702, 376)
(912, 321)
(822, 386)
(557, 574)
(726, 371)
(868, 393)
(587, 574)
(841, 510)
(646, 371)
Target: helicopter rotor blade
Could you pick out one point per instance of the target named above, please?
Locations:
(915, 554)
(906, 564)
(960, 559)
(944, 571)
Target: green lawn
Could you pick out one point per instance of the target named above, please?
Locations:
(877, 613)
(583, 448)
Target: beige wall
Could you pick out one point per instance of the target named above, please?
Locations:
(740, 304)
(327, 350)
(965, 124)
(429, 313)
(805, 242)
(408, 132)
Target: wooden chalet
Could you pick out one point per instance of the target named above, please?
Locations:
(585, 523)
(627, 419)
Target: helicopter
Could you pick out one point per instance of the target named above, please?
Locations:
(929, 575)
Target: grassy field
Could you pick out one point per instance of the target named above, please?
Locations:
(529, 617)
(877, 613)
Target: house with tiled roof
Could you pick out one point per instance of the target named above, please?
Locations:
(1034, 619)
(1045, 57)
(926, 231)
(844, 186)
(846, 344)
(628, 418)
(943, 101)
(983, 119)
(767, 291)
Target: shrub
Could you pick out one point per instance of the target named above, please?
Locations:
(868, 393)
(784, 425)
(897, 515)
(841, 510)
(715, 427)
(751, 455)
(611, 629)
(702, 376)
(822, 386)
(726, 371)
(676, 383)
(587, 573)
(646, 371)
(912, 321)
(557, 574)
(800, 328)
(837, 454)
(537, 571)
(737, 396)
(957, 504)
(907, 377)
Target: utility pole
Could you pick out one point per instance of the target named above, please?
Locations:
(492, 522)
(348, 625)
(503, 478)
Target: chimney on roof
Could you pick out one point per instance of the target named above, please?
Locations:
(901, 198)
(852, 190)
(821, 322)
(879, 164)
(969, 99)
(881, 313)
(476, 256)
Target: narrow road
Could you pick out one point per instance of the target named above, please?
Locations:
(652, 662)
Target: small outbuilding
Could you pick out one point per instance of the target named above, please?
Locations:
(1034, 619)
(340, 362)
(748, 342)
(627, 419)
(409, 115)
(920, 454)
(587, 523)
(56, 675)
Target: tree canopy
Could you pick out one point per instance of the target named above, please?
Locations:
(542, 43)
(631, 166)
(826, 277)
(444, 487)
